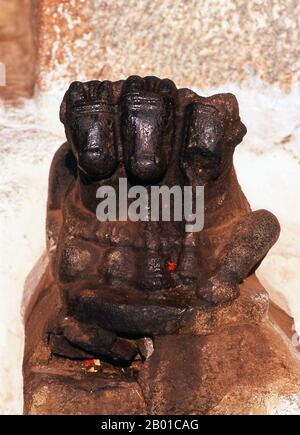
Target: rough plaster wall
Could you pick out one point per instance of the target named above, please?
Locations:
(195, 42)
(17, 47)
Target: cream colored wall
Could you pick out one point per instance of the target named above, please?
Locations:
(18, 47)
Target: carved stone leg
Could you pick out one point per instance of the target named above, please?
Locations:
(251, 238)
(91, 340)
(153, 273)
(188, 269)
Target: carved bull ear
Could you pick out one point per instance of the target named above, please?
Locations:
(88, 91)
(152, 83)
(168, 88)
(226, 104)
(105, 91)
(74, 95)
(133, 84)
(228, 108)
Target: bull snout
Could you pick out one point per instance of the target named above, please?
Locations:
(146, 169)
(96, 164)
(90, 162)
(96, 150)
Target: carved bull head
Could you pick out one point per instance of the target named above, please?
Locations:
(148, 112)
(89, 117)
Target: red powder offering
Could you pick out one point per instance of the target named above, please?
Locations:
(171, 266)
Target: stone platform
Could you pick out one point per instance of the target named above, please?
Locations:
(231, 359)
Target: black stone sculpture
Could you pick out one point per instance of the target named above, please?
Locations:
(122, 282)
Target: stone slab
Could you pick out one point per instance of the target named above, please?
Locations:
(242, 365)
(244, 369)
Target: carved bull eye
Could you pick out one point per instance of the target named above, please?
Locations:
(146, 135)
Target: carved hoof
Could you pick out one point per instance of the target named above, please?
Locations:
(78, 340)
(219, 290)
(188, 268)
(125, 350)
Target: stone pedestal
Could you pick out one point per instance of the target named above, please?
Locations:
(241, 363)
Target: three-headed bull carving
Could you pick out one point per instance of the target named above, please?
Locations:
(150, 132)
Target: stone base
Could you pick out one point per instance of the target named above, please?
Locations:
(241, 370)
(244, 365)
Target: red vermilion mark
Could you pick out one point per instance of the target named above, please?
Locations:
(171, 266)
(89, 362)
